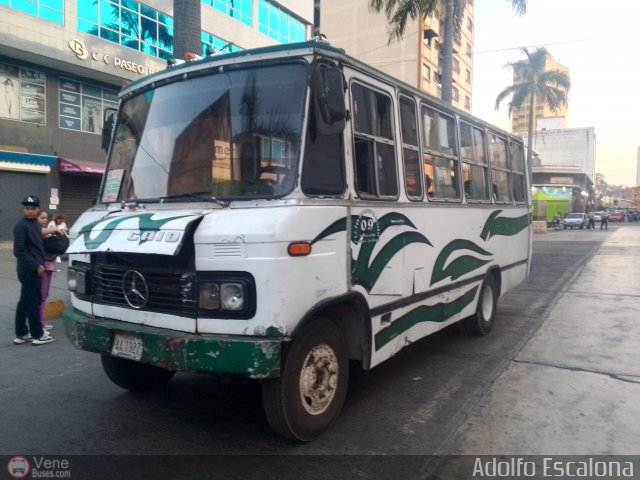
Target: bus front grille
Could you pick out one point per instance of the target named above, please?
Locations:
(172, 293)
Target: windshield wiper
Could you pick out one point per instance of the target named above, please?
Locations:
(199, 196)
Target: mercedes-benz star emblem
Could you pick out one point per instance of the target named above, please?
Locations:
(134, 289)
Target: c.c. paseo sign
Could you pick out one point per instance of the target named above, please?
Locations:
(83, 53)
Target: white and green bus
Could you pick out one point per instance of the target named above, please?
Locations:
(276, 213)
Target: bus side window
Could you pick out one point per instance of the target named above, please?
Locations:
(474, 163)
(441, 154)
(518, 176)
(500, 169)
(410, 149)
(375, 158)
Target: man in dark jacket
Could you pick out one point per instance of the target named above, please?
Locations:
(28, 249)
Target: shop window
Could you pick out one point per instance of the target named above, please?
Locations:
(81, 105)
(23, 94)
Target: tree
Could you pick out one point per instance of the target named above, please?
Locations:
(533, 84)
(399, 12)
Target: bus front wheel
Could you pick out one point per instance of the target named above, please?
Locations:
(308, 396)
(135, 376)
(482, 321)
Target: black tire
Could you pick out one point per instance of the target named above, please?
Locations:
(135, 376)
(304, 401)
(482, 321)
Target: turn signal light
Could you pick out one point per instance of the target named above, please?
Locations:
(299, 249)
(190, 56)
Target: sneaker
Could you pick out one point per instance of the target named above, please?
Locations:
(48, 327)
(45, 338)
(23, 339)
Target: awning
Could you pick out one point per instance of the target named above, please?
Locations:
(19, 159)
(75, 166)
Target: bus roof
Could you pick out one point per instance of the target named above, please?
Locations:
(290, 50)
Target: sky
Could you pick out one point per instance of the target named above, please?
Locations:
(599, 43)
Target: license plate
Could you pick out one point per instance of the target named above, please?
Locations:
(127, 346)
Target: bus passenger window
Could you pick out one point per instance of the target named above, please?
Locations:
(500, 169)
(413, 181)
(375, 158)
(444, 174)
(474, 163)
(428, 175)
(410, 148)
(365, 175)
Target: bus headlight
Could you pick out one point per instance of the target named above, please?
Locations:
(78, 280)
(210, 296)
(226, 295)
(232, 296)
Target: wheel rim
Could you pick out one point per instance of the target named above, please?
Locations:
(487, 303)
(319, 379)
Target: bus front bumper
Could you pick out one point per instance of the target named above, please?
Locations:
(233, 355)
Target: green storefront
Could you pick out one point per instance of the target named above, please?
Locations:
(547, 201)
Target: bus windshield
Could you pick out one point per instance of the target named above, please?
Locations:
(232, 134)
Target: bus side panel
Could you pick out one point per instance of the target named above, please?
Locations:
(286, 286)
(443, 270)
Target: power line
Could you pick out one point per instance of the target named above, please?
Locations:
(529, 46)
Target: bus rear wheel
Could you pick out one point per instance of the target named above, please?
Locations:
(308, 396)
(135, 376)
(482, 321)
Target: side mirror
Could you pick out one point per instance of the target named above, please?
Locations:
(329, 99)
(108, 122)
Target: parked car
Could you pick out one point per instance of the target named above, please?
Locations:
(575, 220)
(597, 216)
(616, 216)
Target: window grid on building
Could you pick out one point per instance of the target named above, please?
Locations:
(278, 24)
(212, 43)
(82, 106)
(128, 23)
(50, 10)
(241, 10)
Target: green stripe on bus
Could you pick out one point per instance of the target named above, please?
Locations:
(461, 265)
(433, 313)
(504, 226)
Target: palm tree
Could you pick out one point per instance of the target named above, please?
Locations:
(533, 84)
(399, 12)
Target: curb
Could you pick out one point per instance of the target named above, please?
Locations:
(53, 310)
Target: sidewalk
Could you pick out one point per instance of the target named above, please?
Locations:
(574, 387)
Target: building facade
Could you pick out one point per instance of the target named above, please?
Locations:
(415, 59)
(571, 147)
(62, 63)
(545, 117)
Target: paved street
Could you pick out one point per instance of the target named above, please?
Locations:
(559, 374)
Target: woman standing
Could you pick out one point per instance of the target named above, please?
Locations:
(49, 268)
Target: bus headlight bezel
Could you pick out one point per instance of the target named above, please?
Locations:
(226, 295)
(79, 279)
